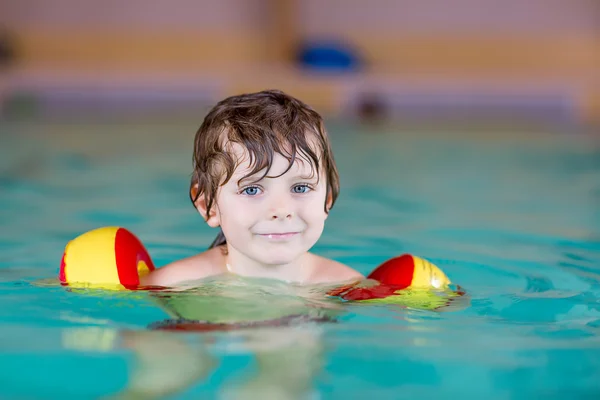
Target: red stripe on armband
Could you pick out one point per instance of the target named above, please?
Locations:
(129, 251)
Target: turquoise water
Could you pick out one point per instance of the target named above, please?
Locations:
(513, 217)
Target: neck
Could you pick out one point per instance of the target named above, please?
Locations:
(297, 270)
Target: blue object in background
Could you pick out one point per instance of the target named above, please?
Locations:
(329, 56)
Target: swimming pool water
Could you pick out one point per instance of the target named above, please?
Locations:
(513, 217)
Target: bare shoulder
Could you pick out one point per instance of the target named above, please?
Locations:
(331, 271)
(203, 265)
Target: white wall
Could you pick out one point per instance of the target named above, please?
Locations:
(315, 17)
(329, 17)
(136, 14)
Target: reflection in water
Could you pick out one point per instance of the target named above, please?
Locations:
(280, 326)
(287, 359)
(275, 322)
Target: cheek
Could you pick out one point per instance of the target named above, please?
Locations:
(315, 210)
(236, 212)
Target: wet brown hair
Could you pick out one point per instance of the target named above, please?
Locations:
(263, 123)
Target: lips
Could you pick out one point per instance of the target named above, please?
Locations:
(278, 235)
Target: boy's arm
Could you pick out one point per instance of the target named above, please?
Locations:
(189, 269)
(330, 271)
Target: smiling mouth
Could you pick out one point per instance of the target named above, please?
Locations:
(278, 236)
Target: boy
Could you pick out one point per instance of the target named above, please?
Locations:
(265, 174)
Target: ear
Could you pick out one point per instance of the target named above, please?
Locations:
(212, 217)
(329, 202)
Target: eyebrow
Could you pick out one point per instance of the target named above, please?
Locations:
(254, 179)
(248, 179)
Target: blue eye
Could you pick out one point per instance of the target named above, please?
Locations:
(300, 189)
(251, 191)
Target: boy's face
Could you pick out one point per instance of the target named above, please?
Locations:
(273, 221)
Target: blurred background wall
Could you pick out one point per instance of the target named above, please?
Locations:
(538, 55)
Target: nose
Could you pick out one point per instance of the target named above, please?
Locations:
(281, 214)
(281, 208)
